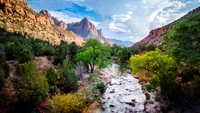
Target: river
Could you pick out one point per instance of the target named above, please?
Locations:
(123, 94)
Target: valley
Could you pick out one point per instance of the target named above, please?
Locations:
(48, 65)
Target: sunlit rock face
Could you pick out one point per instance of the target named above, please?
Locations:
(123, 95)
(154, 36)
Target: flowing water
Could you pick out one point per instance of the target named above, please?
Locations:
(123, 94)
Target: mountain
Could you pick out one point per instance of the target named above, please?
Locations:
(87, 30)
(53, 20)
(16, 16)
(155, 35)
(121, 43)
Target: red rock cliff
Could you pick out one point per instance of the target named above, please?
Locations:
(155, 35)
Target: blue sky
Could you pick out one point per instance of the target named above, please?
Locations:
(120, 19)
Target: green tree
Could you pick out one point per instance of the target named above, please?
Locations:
(94, 53)
(183, 43)
(52, 76)
(62, 51)
(30, 84)
(25, 55)
(156, 66)
(123, 55)
(69, 76)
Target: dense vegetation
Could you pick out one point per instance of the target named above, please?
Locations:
(32, 85)
(175, 68)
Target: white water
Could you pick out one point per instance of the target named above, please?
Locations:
(123, 93)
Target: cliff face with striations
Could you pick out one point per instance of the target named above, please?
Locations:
(87, 30)
(53, 20)
(155, 35)
(16, 16)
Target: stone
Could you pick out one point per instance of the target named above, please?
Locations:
(112, 106)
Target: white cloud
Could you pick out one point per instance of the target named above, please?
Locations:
(64, 17)
(117, 23)
(125, 19)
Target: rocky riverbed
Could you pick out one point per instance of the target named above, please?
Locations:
(124, 94)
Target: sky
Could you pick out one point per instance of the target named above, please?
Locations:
(128, 20)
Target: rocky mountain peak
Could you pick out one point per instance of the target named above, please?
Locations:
(53, 20)
(87, 29)
(17, 17)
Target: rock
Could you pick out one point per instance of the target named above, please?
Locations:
(155, 35)
(129, 71)
(7, 5)
(113, 91)
(112, 106)
(133, 100)
(130, 103)
(86, 29)
(137, 77)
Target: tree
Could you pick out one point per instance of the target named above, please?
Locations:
(52, 76)
(123, 54)
(67, 103)
(156, 66)
(94, 53)
(183, 43)
(69, 76)
(30, 84)
(62, 51)
(25, 55)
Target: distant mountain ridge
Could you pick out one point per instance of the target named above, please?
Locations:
(121, 43)
(154, 35)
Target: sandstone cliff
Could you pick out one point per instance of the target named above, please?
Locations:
(17, 16)
(155, 35)
(87, 30)
(53, 20)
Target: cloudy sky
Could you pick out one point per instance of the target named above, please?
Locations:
(120, 19)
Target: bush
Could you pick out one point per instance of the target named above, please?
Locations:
(67, 103)
(25, 55)
(52, 76)
(69, 76)
(31, 85)
(101, 87)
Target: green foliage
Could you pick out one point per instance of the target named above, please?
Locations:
(94, 53)
(2, 53)
(135, 50)
(123, 55)
(31, 85)
(101, 87)
(25, 55)
(68, 75)
(52, 76)
(67, 103)
(183, 43)
(62, 51)
(115, 49)
(151, 64)
(93, 78)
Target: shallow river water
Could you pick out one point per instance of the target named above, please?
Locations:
(123, 94)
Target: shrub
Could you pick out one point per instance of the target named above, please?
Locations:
(68, 75)
(52, 76)
(31, 85)
(67, 103)
(25, 55)
(101, 87)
